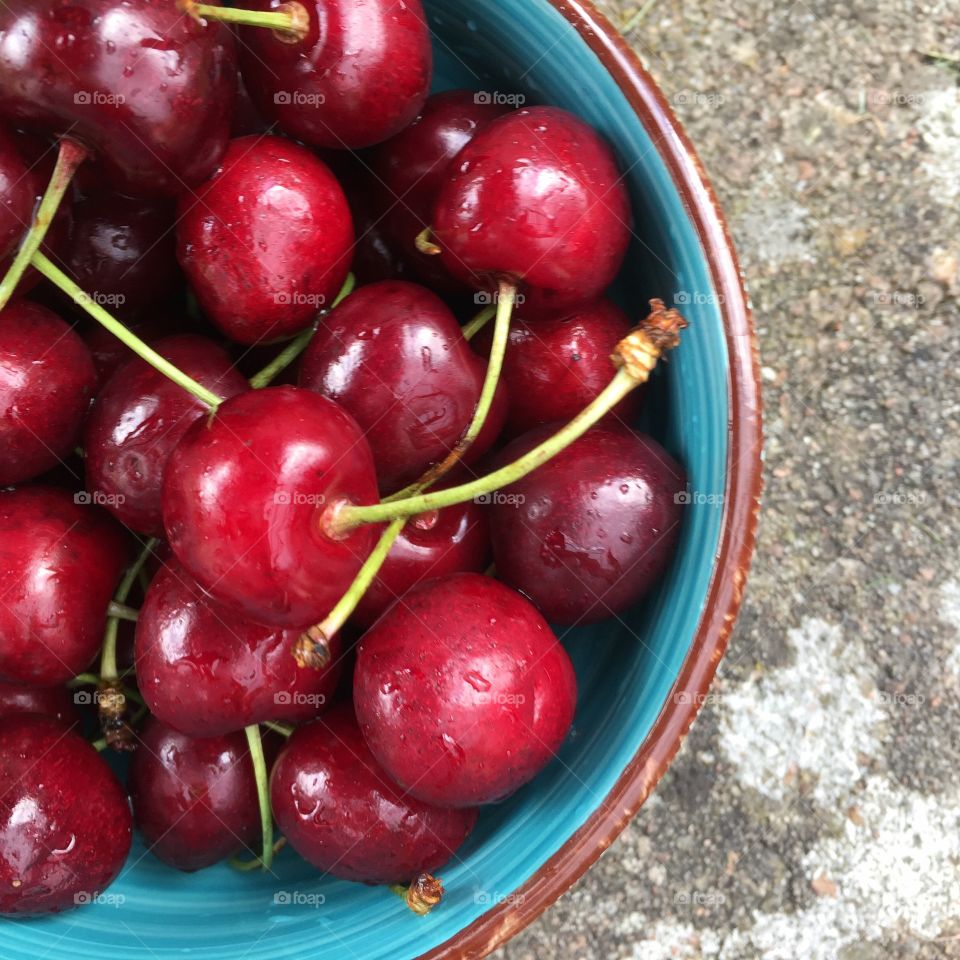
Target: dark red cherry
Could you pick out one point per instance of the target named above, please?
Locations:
(18, 196)
(122, 252)
(47, 379)
(535, 198)
(194, 800)
(65, 825)
(462, 691)
(61, 562)
(149, 88)
(57, 702)
(434, 544)
(413, 165)
(554, 368)
(267, 241)
(137, 420)
(110, 353)
(359, 76)
(394, 356)
(206, 671)
(244, 495)
(587, 534)
(342, 813)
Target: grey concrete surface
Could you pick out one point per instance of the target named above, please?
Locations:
(814, 812)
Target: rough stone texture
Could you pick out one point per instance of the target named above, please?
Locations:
(814, 812)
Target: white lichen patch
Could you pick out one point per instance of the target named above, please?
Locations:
(940, 128)
(950, 614)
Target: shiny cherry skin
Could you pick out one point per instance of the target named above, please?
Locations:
(18, 195)
(536, 199)
(56, 702)
(413, 165)
(47, 380)
(151, 90)
(554, 367)
(122, 252)
(394, 356)
(434, 544)
(462, 691)
(342, 813)
(65, 825)
(61, 562)
(589, 533)
(244, 498)
(194, 800)
(267, 241)
(140, 416)
(206, 671)
(359, 76)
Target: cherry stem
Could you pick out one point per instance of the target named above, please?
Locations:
(422, 895)
(263, 793)
(299, 343)
(312, 648)
(245, 866)
(122, 612)
(636, 355)
(108, 658)
(471, 329)
(71, 155)
(104, 742)
(290, 18)
(84, 300)
(284, 729)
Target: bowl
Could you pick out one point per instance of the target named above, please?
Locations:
(642, 678)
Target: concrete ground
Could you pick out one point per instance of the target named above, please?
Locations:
(815, 810)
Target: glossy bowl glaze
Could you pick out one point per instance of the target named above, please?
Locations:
(642, 678)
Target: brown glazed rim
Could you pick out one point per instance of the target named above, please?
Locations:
(738, 533)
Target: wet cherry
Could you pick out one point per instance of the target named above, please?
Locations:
(194, 800)
(342, 813)
(454, 672)
(47, 380)
(357, 77)
(61, 562)
(554, 367)
(206, 671)
(140, 416)
(393, 355)
(57, 702)
(148, 87)
(267, 241)
(590, 532)
(65, 825)
(535, 199)
(244, 496)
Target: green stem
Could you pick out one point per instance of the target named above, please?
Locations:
(285, 730)
(263, 794)
(296, 346)
(246, 866)
(69, 159)
(471, 329)
(289, 18)
(122, 612)
(108, 659)
(61, 280)
(347, 516)
(83, 680)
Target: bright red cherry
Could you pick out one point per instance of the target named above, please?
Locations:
(435, 544)
(140, 416)
(122, 252)
(47, 380)
(553, 368)
(535, 199)
(267, 241)
(244, 495)
(359, 75)
(342, 813)
(148, 87)
(394, 356)
(413, 165)
(61, 563)
(194, 800)
(206, 671)
(65, 825)
(588, 533)
(57, 702)
(462, 691)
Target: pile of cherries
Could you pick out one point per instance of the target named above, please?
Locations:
(312, 597)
